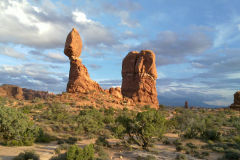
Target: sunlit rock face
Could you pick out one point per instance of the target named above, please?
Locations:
(79, 79)
(139, 76)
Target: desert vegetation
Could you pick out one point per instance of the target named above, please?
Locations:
(200, 133)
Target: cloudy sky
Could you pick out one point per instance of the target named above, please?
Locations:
(197, 44)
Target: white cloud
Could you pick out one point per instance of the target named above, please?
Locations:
(227, 32)
(80, 17)
(11, 52)
(45, 27)
(233, 76)
(34, 76)
(219, 102)
(172, 48)
(56, 57)
(126, 20)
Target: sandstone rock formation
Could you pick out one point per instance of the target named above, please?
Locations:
(236, 104)
(139, 76)
(79, 79)
(12, 91)
(30, 94)
(116, 92)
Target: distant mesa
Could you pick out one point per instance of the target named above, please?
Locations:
(139, 76)
(12, 91)
(236, 103)
(79, 79)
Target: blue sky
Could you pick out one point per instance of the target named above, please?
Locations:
(196, 44)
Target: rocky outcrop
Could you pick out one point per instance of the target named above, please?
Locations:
(79, 79)
(30, 94)
(236, 104)
(12, 91)
(116, 92)
(139, 76)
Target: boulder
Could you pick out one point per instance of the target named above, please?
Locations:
(79, 79)
(73, 44)
(139, 76)
(116, 92)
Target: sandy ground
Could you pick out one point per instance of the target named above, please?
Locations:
(46, 151)
(160, 151)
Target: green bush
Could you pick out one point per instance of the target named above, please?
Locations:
(211, 134)
(102, 141)
(76, 153)
(195, 125)
(71, 140)
(143, 127)
(43, 137)
(16, 128)
(27, 155)
(181, 157)
(90, 121)
(232, 154)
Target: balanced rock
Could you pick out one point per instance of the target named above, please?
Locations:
(236, 104)
(139, 76)
(73, 44)
(79, 79)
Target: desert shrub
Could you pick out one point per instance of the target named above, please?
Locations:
(232, 154)
(71, 140)
(143, 127)
(166, 142)
(180, 148)
(27, 155)
(43, 137)
(211, 134)
(102, 155)
(58, 113)
(194, 125)
(190, 145)
(237, 139)
(26, 109)
(90, 121)
(76, 153)
(16, 128)
(181, 157)
(3, 101)
(102, 141)
(119, 131)
(235, 122)
(177, 142)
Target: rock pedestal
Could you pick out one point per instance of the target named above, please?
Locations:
(236, 104)
(139, 76)
(79, 79)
